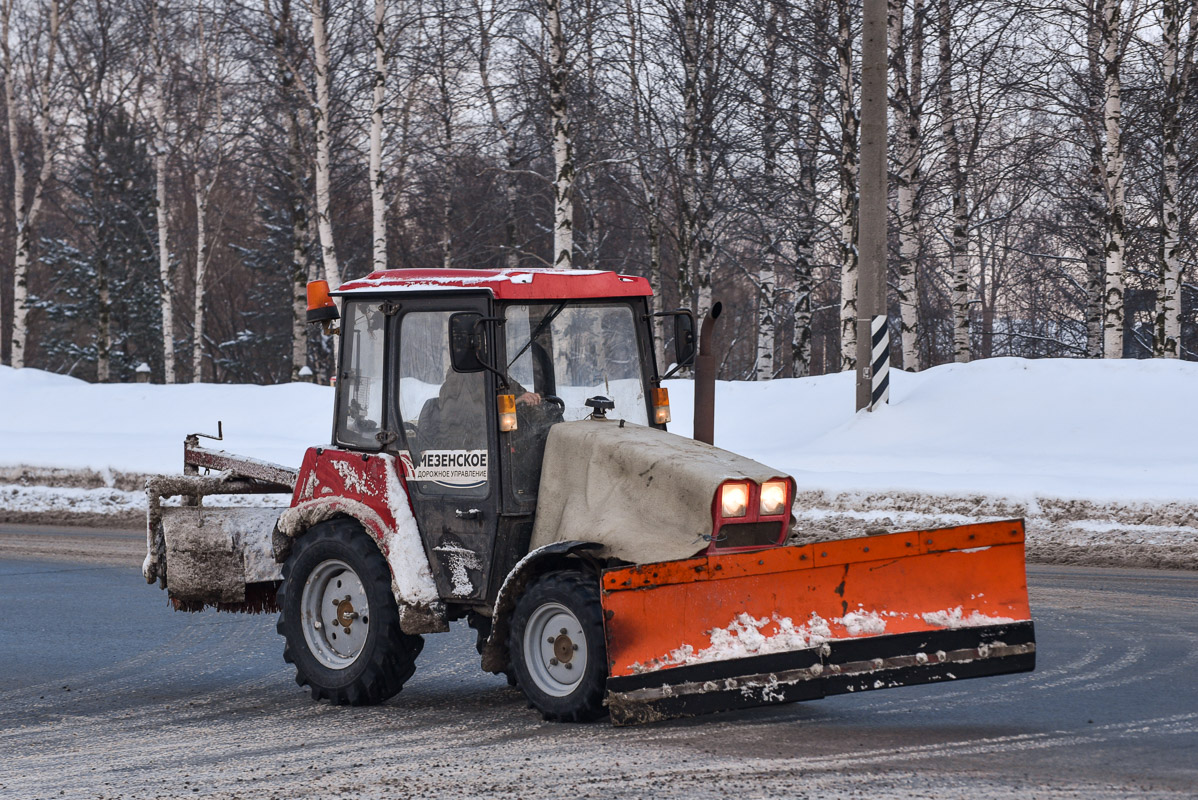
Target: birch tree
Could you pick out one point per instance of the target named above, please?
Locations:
(283, 50)
(696, 173)
(39, 87)
(1176, 78)
(563, 143)
(485, 18)
(1112, 57)
(166, 272)
(908, 109)
(959, 279)
(207, 148)
(806, 135)
(1096, 206)
(324, 218)
(711, 95)
(850, 124)
(641, 98)
(767, 269)
(378, 201)
(445, 74)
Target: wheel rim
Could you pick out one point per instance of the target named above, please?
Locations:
(555, 649)
(336, 615)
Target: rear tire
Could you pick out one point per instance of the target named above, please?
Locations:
(558, 650)
(340, 620)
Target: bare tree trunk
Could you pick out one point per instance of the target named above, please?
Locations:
(1168, 317)
(448, 132)
(324, 219)
(400, 166)
(807, 143)
(960, 245)
(103, 323)
(197, 343)
(850, 123)
(908, 108)
(689, 197)
(21, 265)
(299, 294)
(1096, 205)
(563, 143)
(653, 233)
(377, 202)
(705, 245)
(642, 135)
(1112, 321)
(297, 172)
(767, 267)
(166, 275)
(511, 256)
(206, 163)
(26, 212)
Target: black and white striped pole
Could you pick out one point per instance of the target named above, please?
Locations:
(873, 335)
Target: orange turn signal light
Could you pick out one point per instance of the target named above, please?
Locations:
(507, 412)
(321, 307)
(661, 406)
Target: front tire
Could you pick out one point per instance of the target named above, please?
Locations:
(558, 650)
(340, 620)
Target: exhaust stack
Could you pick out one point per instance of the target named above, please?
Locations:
(705, 368)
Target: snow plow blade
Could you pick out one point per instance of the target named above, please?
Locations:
(732, 631)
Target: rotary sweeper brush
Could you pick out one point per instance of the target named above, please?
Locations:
(499, 454)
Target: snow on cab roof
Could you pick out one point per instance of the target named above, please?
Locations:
(503, 284)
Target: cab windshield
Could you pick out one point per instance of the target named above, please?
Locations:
(575, 351)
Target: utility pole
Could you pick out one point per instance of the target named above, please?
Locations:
(873, 334)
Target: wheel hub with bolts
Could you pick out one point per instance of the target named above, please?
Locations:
(335, 614)
(563, 648)
(555, 649)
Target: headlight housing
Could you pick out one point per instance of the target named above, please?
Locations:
(734, 500)
(773, 498)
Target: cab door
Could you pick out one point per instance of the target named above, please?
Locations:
(446, 423)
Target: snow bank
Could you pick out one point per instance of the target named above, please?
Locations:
(1103, 431)
(49, 420)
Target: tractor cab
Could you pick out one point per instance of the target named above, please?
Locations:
(461, 374)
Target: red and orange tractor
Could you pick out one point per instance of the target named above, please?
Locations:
(499, 454)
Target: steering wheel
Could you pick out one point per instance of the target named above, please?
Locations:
(557, 401)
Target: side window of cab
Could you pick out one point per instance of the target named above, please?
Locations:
(444, 412)
(360, 401)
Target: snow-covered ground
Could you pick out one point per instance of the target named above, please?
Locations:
(1094, 450)
(1010, 427)
(51, 420)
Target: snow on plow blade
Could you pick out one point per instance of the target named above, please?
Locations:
(798, 623)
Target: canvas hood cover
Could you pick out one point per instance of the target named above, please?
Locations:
(644, 494)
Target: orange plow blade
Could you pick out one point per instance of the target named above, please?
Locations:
(798, 623)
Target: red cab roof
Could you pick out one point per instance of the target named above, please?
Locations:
(503, 284)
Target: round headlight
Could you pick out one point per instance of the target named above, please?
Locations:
(773, 498)
(734, 499)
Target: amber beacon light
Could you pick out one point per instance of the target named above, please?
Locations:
(661, 405)
(507, 412)
(321, 307)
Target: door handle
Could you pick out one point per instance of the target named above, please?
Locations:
(472, 513)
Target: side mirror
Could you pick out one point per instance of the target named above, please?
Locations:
(684, 338)
(467, 342)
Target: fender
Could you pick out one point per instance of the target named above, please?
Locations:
(494, 655)
(367, 488)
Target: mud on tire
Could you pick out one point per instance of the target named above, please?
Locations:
(362, 668)
(558, 650)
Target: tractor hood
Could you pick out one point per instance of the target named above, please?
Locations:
(644, 494)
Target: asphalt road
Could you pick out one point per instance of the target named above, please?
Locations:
(108, 693)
